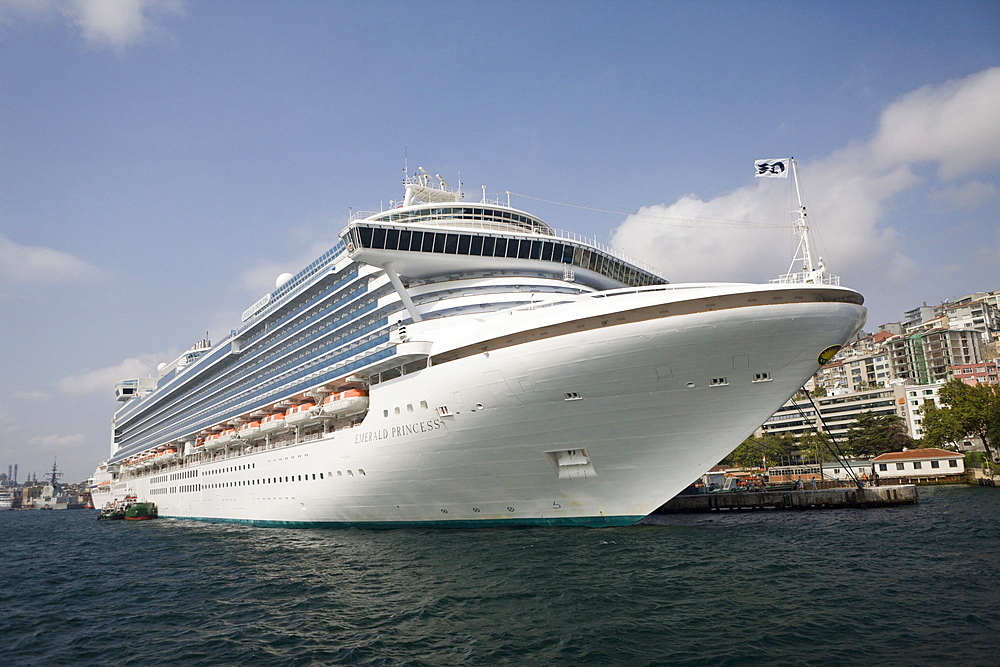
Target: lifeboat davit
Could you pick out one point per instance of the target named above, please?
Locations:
(345, 404)
(273, 422)
(301, 414)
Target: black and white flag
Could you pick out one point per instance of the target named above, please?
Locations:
(777, 168)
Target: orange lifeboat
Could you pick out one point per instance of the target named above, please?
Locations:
(346, 403)
(300, 414)
(248, 429)
(226, 436)
(273, 422)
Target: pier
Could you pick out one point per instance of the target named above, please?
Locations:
(842, 497)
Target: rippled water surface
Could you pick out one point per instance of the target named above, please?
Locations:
(914, 585)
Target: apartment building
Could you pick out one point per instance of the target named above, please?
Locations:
(925, 357)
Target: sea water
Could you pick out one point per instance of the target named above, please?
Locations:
(912, 585)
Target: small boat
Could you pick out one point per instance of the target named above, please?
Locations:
(128, 509)
(212, 441)
(111, 514)
(346, 403)
(248, 429)
(301, 414)
(273, 422)
(140, 511)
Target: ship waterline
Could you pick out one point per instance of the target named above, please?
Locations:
(545, 390)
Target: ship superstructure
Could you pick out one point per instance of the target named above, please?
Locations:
(450, 363)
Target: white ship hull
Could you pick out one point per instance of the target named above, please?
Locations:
(596, 426)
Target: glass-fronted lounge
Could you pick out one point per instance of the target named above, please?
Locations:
(480, 244)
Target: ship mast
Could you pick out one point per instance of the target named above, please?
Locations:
(802, 268)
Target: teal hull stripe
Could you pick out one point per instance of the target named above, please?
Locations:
(587, 521)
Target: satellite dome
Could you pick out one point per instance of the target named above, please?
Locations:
(160, 366)
(282, 279)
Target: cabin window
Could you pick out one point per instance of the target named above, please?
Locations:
(378, 237)
(953, 463)
(404, 239)
(451, 244)
(463, 244)
(427, 245)
(489, 246)
(391, 239)
(476, 246)
(416, 238)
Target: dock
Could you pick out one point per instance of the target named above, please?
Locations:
(842, 497)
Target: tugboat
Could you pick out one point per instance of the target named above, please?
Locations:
(141, 511)
(129, 509)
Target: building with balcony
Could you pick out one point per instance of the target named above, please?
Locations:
(924, 357)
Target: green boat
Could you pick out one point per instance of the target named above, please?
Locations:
(140, 511)
(130, 510)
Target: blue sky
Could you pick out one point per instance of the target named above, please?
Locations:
(162, 161)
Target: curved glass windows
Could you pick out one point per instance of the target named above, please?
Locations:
(449, 243)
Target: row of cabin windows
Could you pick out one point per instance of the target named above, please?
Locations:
(286, 478)
(322, 320)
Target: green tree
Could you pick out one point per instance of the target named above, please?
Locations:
(752, 452)
(874, 434)
(940, 426)
(974, 410)
(815, 447)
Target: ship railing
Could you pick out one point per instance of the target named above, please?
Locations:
(807, 278)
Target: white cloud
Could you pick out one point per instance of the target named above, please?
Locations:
(32, 396)
(7, 422)
(951, 125)
(967, 196)
(35, 264)
(103, 23)
(57, 443)
(956, 125)
(103, 380)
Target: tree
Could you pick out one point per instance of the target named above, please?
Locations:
(752, 452)
(874, 434)
(939, 425)
(973, 409)
(814, 447)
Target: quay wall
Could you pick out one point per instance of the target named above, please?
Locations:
(882, 496)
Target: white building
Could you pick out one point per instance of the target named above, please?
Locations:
(927, 463)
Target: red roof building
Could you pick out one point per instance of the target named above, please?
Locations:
(929, 462)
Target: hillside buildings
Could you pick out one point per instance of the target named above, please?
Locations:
(898, 369)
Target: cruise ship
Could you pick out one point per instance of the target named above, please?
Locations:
(450, 363)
